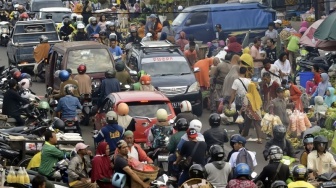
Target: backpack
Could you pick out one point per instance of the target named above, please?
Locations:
(245, 157)
(304, 97)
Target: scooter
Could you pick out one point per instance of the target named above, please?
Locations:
(160, 157)
(86, 101)
(324, 180)
(161, 182)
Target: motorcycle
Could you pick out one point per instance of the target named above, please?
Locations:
(124, 87)
(160, 157)
(161, 182)
(86, 101)
(324, 180)
(4, 33)
(40, 69)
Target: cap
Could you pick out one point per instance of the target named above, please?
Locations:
(80, 146)
(278, 21)
(280, 89)
(218, 25)
(192, 133)
(152, 16)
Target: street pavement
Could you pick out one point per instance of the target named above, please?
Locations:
(39, 88)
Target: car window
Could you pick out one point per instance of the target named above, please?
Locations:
(198, 18)
(161, 66)
(96, 60)
(180, 19)
(107, 105)
(59, 59)
(32, 33)
(147, 109)
(133, 63)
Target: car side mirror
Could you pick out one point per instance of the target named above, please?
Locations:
(133, 73)
(196, 69)
(188, 22)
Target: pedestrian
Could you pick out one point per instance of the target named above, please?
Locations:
(278, 26)
(257, 57)
(166, 28)
(182, 41)
(269, 88)
(233, 46)
(191, 54)
(311, 85)
(228, 82)
(322, 86)
(284, 65)
(220, 34)
(330, 97)
(293, 47)
(271, 50)
(203, 75)
(149, 27)
(271, 32)
(272, 69)
(191, 38)
(247, 61)
(157, 28)
(295, 96)
(101, 166)
(279, 105)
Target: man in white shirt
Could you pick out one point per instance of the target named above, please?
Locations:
(272, 69)
(134, 150)
(271, 32)
(239, 86)
(239, 144)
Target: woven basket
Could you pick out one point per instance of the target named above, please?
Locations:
(143, 175)
(196, 181)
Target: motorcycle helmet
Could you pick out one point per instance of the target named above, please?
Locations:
(110, 24)
(113, 37)
(69, 88)
(80, 26)
(145, 80)
(279, 132)
(133, 30)
(64, 75)
(64, 17)
(181, 124)
(308, 138)
(79, 18)
(93, 21)
(321, 140)
(300, 172)
(216, 152)
(17, 74)
(242, 169)
(58, 124)
(66, 22)
(185, 106)
(27, 76)
(123, 109)
(81, 69)
(120, 66)
(102, 33)
(25, 83)
(196, 124)
(197, 171)
(279, 184)
(232, 138)
(110, 74)
(24, 16)
(275, 153)
(43, 39)
(57, 73)
(239, 139)
(161, 115)
(73, 16)
(214, 120)
(111, 117)
(44, 105)
(141, 73)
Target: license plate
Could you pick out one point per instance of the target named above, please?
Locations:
(176, 104)
(71, 128)
(163, 157)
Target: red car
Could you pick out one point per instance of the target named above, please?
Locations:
(142, 107)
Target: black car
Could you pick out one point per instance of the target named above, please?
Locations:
(170, 72)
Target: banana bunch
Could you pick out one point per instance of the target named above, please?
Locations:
(296, 143)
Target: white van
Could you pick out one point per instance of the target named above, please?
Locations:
(56, 12)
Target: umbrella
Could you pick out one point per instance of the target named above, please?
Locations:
(327, 29)
(245, 42)
(326, 45)
(307, 38)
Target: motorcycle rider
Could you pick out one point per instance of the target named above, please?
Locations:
(216, 134)
(279, 184)
(41, 52)
(68, 105)
(198, 177)
(217, 170)
(160, 131)
(112, 133)
(239, 146)
(114, 48)
(134, 37)
(279, 133)
(81, 35)
(93, 28)
(125, 120)
(122, 75)
(197, 125)
(300, 176)
(146, 85)
(64, 76)
(111, 28)
(12, 102)
(103, 39)
(61, 24)
(232, 138)
(109, 85)
(308, 142)
(186, 112)
(242, 177)
(320, 161)
(14, 19)
(66, 30)
(24, 16)
(84, 80)
(137, 85)
(273, 171)
(25, 91)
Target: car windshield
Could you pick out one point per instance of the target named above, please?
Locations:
(147, 109)
(45, 4)
(56, 16)
(162, 66)
(179, 19)
(96, 60)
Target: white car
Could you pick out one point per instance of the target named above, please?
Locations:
(56, 12)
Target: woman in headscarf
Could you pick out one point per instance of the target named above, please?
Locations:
(234, 46)
(330, 96)
(101, 166)
(295, 96)
(228, 81)
(322, 86)
(252, 108)
(182, 41)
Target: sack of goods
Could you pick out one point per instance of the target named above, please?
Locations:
(299, 122)
(268, 122)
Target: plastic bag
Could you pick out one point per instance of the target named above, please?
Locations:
(293, 122)
(266, 123)
(306, 121)
(240, 119)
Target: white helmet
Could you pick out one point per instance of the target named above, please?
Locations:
(111, 116)
(80, 26)
(26, 94)
(162, 115)
(113, 36)
(73, 15)
(180, 8)
(185, 106)
(79, 18)
(25, 83)
(16, 6)
(196, 124)
(56, 74)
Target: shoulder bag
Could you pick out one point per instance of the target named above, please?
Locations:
(187, 162)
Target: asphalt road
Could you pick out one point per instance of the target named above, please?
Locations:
(39, 88)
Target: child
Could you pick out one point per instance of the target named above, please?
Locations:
(308, 142)
(312, 85)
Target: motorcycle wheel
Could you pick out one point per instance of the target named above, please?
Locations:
(24, 162)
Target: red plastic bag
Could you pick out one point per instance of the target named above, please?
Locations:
(148, 168)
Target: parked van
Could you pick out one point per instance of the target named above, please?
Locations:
(36, 5)
(235, 18)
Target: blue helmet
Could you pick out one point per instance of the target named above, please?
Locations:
(64, 75)
(239, 139)
(242, 169)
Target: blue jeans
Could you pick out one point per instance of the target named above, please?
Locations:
(183, 177)
(173, 170)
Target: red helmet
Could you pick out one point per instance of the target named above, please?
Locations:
(81, 69)
(17, 75)
(145, 80)
(24, 15)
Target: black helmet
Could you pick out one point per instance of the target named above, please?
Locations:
(279, 184)
(279, 132)
(110, 74)
(197, 171)
(181, 124)
(214, 120)
(321, 140)
(102, 33)
(300, 172)
(58, 124)
(275, 153)
(233, 137)
(66, 22)
(308, 138)
(120, 66)
(216, 152)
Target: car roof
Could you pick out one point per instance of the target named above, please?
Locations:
(55, 9)
(31, 22)
(64, 46)
(137, 96)
(231, 6)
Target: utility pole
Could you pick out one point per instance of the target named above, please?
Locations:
(316, 7)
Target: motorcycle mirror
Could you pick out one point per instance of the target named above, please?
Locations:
(133, 73)
(127, 86)
(254, 175)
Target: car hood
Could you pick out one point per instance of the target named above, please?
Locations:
(173, 80)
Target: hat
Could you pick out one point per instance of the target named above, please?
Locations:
(152, 16)
(80, 146)
(280, 89)
(192, 133)
(278, 21)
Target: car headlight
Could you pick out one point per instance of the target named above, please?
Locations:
(194, 87)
